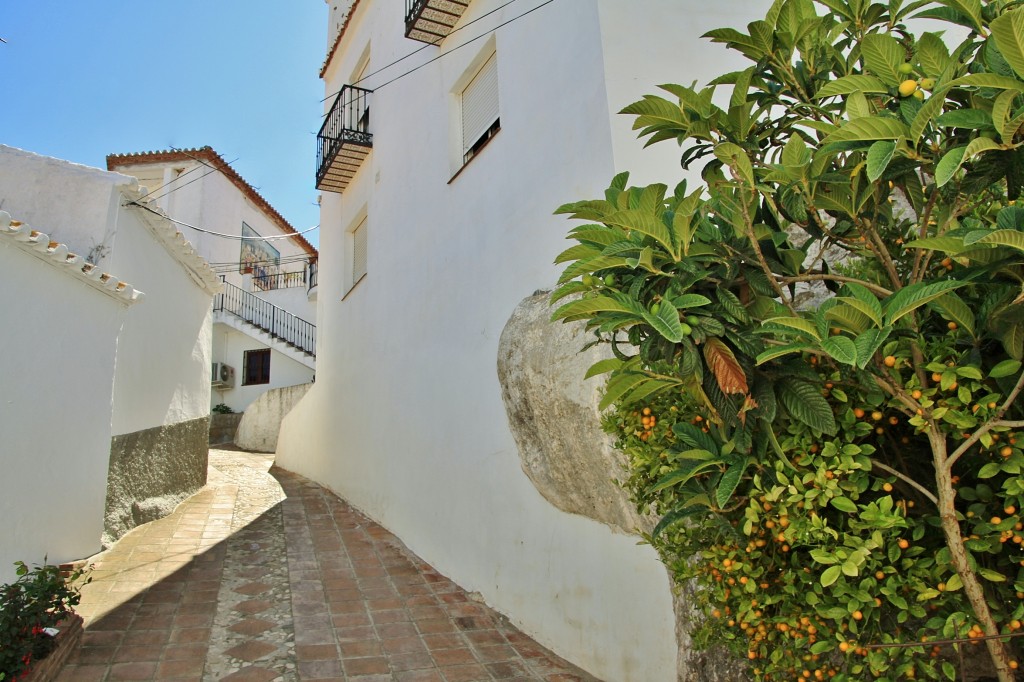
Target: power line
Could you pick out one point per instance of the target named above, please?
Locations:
(164, 184)
(415, 52)
(471, 40)
(221, 234)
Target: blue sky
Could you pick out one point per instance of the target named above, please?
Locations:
(81, 79)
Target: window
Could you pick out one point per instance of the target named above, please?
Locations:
(480, 119)
(257, 367)
(358, 263)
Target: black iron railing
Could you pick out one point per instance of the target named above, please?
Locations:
(276, 321)
(344, 139)
(282, 280)
(312, 275)
(429, 21)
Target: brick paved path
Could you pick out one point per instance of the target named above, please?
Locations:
(264, 575)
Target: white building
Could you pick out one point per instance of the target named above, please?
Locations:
(264, 331)
(106, 408)
(440, 174)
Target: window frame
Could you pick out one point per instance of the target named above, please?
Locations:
(262, 376)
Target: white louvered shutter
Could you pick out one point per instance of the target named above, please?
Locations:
(480, 104)
(359, 252)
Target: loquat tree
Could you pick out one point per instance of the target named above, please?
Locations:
(817, 367)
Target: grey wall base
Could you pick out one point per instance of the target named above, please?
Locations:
(223, 427)
(151, 471)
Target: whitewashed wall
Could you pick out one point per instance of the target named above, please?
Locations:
(406, 419)
(229, 346)
(164, 352)
(57, 346)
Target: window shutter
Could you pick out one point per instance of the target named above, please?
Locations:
(359, 252)
(480, 104)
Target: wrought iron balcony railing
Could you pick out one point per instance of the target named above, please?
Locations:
(277, 322)
(281, 280)
(429, 21)
(344, 139)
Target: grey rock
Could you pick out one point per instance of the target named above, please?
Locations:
(554, 417)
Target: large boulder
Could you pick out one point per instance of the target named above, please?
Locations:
(554, 417)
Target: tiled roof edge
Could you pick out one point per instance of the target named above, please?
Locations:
(207, 153)
(337, 39)
(173, 241)
(39, 245)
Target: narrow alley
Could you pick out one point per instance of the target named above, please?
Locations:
(264, 575)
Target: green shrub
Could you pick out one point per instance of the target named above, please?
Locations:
(40, 598)
(841, 477)
(222, 408)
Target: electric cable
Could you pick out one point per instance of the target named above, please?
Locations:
(433, 44)
(221, 234)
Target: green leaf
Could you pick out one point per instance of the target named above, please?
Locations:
(830, 575)
(868, 342)
(821, 647)
(732, 305)
(879, 156)
(910, 298)
(735, 157)
(974, 119)
(979, 145)
(806, 404)
(799, 324)
(991, 576)
(603, 366)
(619, 385)
(841, 348)
(844, 504)
(666, 322)
(590, 306)
(684, 474)
(952, 307)
(687, 301)
(644, 222)
(846, 85)
(868, 128)
(990, 470)
(883, 56)
(969, 8)
(949, 164)
(1011, 238)
(1008, 32)
(577, 252)
(678, 515)
(1005, 369)
(949, 670)
(950, 245)
(954, 583)
(932, 54)
(779, 351)
(729, 482)
(647, 389)
(694, 437)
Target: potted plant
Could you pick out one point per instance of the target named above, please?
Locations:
(38, 626)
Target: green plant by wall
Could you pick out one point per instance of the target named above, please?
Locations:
(221, 408)
(40, 598)
(818, 350)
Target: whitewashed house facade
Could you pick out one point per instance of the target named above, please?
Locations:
(264, 322)
(106, 406)
(439, 175)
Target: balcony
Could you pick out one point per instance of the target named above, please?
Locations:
(429, 21)
(344, 139)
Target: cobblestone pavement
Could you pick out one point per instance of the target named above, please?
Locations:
(265, 576)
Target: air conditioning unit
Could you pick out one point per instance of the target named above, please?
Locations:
(223, 376)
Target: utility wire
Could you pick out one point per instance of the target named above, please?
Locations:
(415, 52)
(200, 161)
(221, 234)
(164, 184)
(457, 47)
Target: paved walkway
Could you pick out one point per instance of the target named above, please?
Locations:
(265, 576)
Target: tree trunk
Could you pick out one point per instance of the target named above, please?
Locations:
(958, 553)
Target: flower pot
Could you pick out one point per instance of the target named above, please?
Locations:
(68, 640)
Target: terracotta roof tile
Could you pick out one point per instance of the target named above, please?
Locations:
(337, 39)
(39, 245)
(116, 162)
